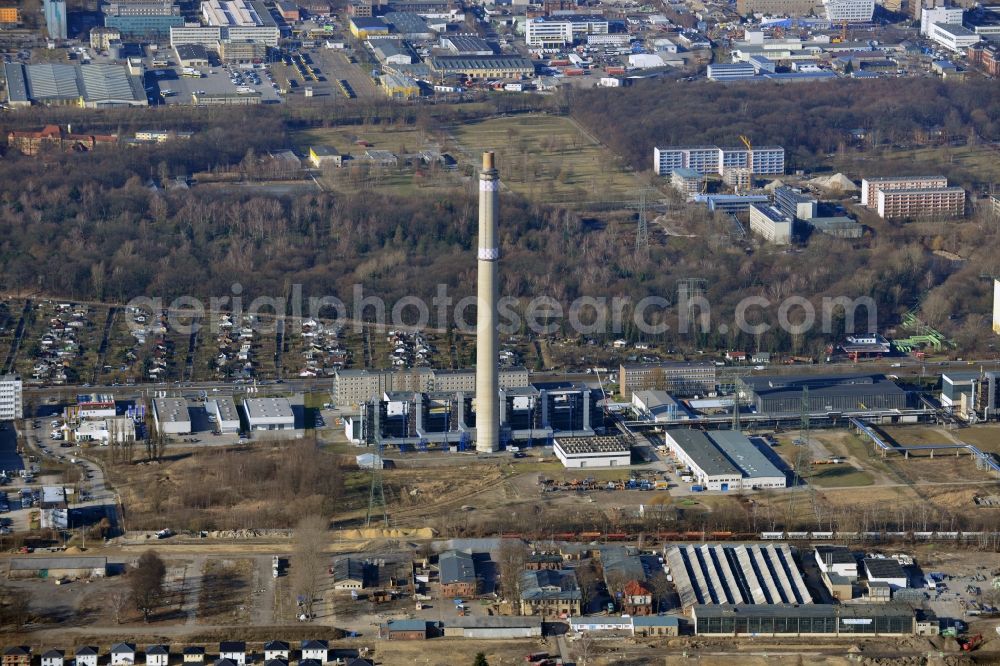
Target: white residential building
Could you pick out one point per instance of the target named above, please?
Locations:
(157, 655)
(870, 187)
(764, 160)
(313, 649)
(123, 654)
(234, 651)
(86, 656)
(11, 405)
(53, 658)
(276, 650)
(852, 11)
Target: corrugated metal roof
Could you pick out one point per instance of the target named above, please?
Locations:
(53, 81)
(35, 563)
(106, 83)
(17, 82)
(744, 454)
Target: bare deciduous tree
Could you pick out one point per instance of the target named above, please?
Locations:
(118, 603)
(512, 558)
(146, 583)
(308, 559)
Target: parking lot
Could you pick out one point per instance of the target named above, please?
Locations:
(336, 66)
(169, 86)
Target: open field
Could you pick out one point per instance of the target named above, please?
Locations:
(978, 163)
(358, 174)
(225, 587)
(549, 159)
(985, 437)
(838, 476)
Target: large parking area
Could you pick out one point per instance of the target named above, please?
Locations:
(169, 86)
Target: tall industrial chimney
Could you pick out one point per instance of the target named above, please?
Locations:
(487, 380)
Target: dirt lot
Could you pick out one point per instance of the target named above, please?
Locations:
(225, 591)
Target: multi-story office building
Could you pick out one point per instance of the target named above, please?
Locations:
(870, 187)
(851, 11)
(764, 161)
(10, 397)
(206, 36)
(943, 15)
(777, 7)
(143, 19)
(55, 18)
(238, 52)
(771, 224)
(556, 31)
(730, 71)
(673, 376)
(928, 202)
(955, 38)
(794, 204)
(241, 21)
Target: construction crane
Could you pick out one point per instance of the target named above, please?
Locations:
(746, 142)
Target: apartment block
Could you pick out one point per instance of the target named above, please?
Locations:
(925, 202)
(765, 160)
(10, 397)
(870, 187)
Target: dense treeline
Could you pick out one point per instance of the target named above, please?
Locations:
(808, 119)
(88, 226)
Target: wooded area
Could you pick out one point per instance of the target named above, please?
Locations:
(88, 226)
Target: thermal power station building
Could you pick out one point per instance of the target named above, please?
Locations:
(354, 387)
(823, 394)
(530, 414)
(763, 161)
